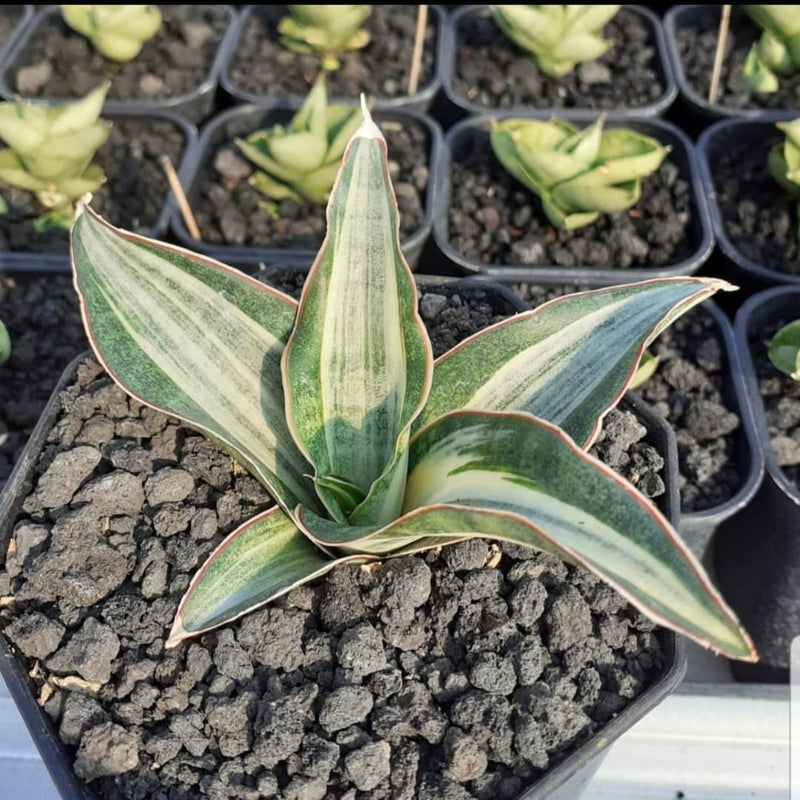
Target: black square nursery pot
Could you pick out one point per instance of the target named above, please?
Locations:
(13, 21)
(287, 80)
(565, 781)
(51, 252)
(754, 220)
(194, 101)
(649, 72)
(200, 180)
(758, 563)
(469, 140)
(691, 30)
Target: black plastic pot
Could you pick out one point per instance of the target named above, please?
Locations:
(457, 106)
(456, 144)
(741, 269)
(60, 262)
(243, 120)
(421, 100)
(564, 782)
(695, 108)
(23, 15)
(758, 564)
(194, 105)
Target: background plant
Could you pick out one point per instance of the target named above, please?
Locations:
(300, 162)
(50, 151)
(369, 447)
(5, 343)
(784, 350)
(777, 52)
(325, 31)
(783, 161)
(116, 32)
(577, 174)
(557, 37)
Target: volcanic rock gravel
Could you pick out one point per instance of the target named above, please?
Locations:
(462, 673)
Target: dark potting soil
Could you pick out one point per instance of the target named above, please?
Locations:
(781, 398)
(687, 390)
(493, 72)
(58, 62)
(463, 673)
(46, 333)
(760, 218)
(494, 219)
(227, 211)
(132, 197)
(380, 70)
(697, 45)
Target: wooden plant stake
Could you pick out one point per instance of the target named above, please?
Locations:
(416, 56)
(722, 37)
(183, 203)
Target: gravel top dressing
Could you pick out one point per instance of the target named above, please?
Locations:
(227, 207)
(494, 219)
(46, 334)
(493, 72)
(59, 62)
(133, 195)
(379, 70)
(781, 397)
(697, 45)
(760, 218)
(460, 674)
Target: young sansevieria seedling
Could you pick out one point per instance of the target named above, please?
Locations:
(300, 162)
(783, 161)
(777, 52)
(116, 32)
(50, 152)
(556, 37)
(324, 31)
(577, 174)
(369, 447)
(784, 350)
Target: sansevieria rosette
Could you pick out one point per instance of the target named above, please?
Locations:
(370, 447)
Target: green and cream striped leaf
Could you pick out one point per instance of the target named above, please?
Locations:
(569, 361)
(195, 339)
(261, 560)
(358, 365)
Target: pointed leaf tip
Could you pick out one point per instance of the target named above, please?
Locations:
(367, 129)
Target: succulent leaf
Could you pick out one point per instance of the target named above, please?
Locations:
(195, 339)
(557, 37)
(5, 343)
(646, 369)
(568, 361)
(301, 162)
(777, 51)
(577, 174)
(260, 561)
(784, 350)
(783, 161)
(116, 32)
(325, 31)
(357, 367)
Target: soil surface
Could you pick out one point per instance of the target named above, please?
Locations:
(697, 44)
(380, 69)
(227, 207)
(460, 674)
(494, 219)
(760, 218)
(688, 390)
(493, 72)
(9, 18)
(46, 333)
(59, 62)
(781, 398)
(132, 197)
